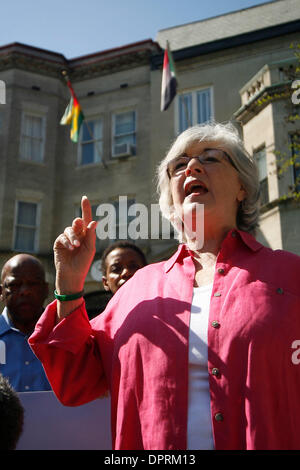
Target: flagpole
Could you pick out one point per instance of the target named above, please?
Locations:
(66, 77)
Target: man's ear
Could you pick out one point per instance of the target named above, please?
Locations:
(1, 290)
(105, 285)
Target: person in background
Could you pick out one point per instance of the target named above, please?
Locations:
(199, 351)
(23, 290)
(11, 416)
(119, 262)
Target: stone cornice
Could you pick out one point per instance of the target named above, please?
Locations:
(49, 63)
(259, 101)
(21, 61)
(282, 202)
(103, 66)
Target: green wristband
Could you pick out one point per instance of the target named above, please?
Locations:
(64, 298)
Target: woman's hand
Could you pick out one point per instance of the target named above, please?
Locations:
(74, 251)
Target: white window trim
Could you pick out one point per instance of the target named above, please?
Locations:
(37, 231)
(79, 148)
(193, 90)
(113, 135)
(43, 117)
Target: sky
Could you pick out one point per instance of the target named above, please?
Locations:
(80, 27)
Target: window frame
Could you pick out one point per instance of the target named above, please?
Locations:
(132, 151)
(41, 139)
(194, 97)
(35, 227)
(94, 141)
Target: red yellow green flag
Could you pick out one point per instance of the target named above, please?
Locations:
(169, 80)
(73, 115)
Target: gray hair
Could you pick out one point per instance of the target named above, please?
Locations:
(226, 138)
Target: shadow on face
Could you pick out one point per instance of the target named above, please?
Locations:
(23, 290)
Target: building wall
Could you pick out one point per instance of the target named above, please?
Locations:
(121, 80)
(266, 105)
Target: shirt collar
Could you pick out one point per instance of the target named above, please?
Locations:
(184, 251)
(4, 322)
(249, 240)
(181, 253)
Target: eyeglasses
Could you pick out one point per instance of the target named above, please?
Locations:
(209, 157)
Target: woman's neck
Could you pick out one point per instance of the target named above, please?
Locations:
(205, 257)
(211, 242)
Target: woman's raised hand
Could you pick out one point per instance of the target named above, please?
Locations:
(74, 251)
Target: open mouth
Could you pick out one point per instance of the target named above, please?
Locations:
(195, 187)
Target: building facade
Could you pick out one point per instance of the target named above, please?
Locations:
(224, 66)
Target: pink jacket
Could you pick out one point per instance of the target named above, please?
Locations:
(138, 349)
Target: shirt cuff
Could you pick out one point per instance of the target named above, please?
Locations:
(70, 333)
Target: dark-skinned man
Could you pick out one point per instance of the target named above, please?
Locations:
(23, 291)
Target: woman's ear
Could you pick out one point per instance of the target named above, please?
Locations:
(241, 195)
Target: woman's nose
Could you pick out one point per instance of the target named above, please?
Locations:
(193, 165)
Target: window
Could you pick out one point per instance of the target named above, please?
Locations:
(32, 138)
(124, 134)
(261, 161)
(91, 145)
(26, 223)
(194, 107)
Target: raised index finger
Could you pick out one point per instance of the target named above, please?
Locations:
(86, 210)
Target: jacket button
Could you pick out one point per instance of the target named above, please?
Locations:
(215, 324)
(217, 294)
(215, 371)
(221, 270)
(219, 417)
(279, 290)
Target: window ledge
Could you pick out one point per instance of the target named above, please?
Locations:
(120, 159)
(89, 165)
(111, 161)
(32, 162)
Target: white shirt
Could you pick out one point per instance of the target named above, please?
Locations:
(199, 431)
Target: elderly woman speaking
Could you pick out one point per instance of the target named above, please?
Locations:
(201, 351)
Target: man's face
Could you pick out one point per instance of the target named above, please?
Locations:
(121, 264)
(24, 291)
